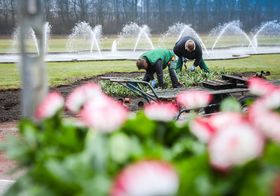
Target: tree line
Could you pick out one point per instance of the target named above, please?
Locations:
(203, 15)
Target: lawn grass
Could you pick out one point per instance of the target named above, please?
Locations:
(5, 45)
(67, 73)
(59, 43)
(254, 63)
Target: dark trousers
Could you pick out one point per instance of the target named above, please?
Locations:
(201, 64)
(159, 72)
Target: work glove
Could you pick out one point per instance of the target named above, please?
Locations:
(154, 83)
(192, 68)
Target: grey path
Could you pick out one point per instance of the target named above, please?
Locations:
(216, 54)
(4, 185)
(6, 179)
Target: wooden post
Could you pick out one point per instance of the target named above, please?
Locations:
(32, 66)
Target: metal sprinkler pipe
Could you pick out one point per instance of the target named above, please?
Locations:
(32, 66)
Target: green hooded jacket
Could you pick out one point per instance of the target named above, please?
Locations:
(165, 55)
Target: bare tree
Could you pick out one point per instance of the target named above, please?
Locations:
(159, 14)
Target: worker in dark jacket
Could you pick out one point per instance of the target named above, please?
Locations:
(155, 61)
(187, 48)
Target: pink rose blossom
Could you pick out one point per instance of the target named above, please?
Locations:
(81, 95)
(205, 128)
(262, 116)
(223, 119)
(103, 114)
(161, 111)
(202, 129)
(49, 106)
(235, 145)
(269, 124)
(146, 178)
(272, 99)
(193, 99)
(260, 87)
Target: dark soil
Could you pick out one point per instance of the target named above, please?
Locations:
(10, 108)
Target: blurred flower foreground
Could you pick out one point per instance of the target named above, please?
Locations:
(106, 150)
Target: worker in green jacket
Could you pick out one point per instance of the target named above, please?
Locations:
(155, 61)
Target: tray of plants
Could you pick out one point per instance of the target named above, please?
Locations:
(228, 85)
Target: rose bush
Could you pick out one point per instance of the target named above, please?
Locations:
(106, 150)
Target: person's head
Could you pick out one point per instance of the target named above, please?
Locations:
(190, 45)
(142, 64)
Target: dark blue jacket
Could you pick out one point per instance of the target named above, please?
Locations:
(180, 51)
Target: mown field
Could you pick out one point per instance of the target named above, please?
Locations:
(67, 73)
(61, 44)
